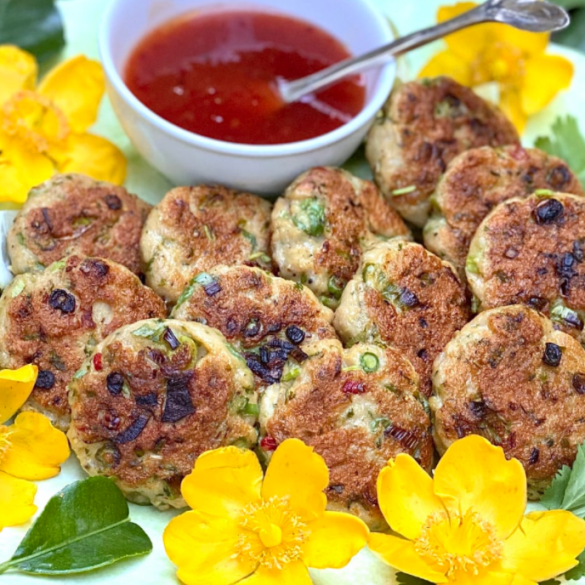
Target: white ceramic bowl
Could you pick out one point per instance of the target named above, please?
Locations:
(188, 158)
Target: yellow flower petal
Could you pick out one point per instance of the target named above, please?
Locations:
(291, 574)
(204, 548)
(529, 43)
(545, 76)
(297, 473)
(18, 70)
(15, 385)
(91, 155)
(36, 449)
(475, 475)
(450, 64)
(511, 105)
(76, 87)
(400, 554)
(16, 500)
(334, 539)
(468, 42)
(21, 168)
(545, 545)
(406, 496)
(223, 482)
(34, 119)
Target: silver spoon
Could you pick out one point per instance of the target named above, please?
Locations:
(529, 15)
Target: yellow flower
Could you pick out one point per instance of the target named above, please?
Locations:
(467, 525)
(43, 131)
(253, 531)
(527, 78)
(15, 388)
(16, 500)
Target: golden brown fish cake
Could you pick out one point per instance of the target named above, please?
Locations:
(357, 408)
(532, 251)
(509, 376)
(268, 319)
(195, 228)
(425, 124)
(75, 214)
(406, 297)
(479, 179)
(55, 318)
(167, 391)
(323, 223)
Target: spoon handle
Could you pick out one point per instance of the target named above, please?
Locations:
(490, 11)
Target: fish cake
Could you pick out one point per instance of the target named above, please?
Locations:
(406, 297)
(268, 319)
(323, 223)
(479, 179)
(55, 318)
(532, 251)
(166, 392)
(75, 214)
(195, 228)
(358, 408)
(424, 125)
(510, 377)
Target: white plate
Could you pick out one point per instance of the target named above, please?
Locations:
(81, 19)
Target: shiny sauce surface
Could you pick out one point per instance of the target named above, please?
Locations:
(214, 74)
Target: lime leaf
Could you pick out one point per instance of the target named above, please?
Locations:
(567, 491)
(404, 579)
(33, 25)
(84, 527)
(566, 143)
(579, 571)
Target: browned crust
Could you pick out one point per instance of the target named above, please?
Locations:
(429, 142)
(481, 178)
(422, 331)
(532, 410)
(61, 227)
(531, 263)
(98, 416)
(314, 415)
(34, 332)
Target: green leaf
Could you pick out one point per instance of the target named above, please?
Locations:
(404, 579)
(579, 571)
(567, 491)
(570, 4)
(550, 582)
(84, 527)
(34, 25)
(566, 143)
(574, 35)
(358, 165)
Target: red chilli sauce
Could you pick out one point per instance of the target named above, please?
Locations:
(214, 74)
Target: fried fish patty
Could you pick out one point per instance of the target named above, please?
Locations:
(166, 392)
(479, 179)
(75, 214)
(323, 223)
(509, 376)
(532, 251)
(357, 408)
(195, 228)
(406, 297)
(425, 124)
(268, 319)
(55, 318)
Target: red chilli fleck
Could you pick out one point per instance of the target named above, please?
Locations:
(97, 362)
(268, 444)
(353, 387)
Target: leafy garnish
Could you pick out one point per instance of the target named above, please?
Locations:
(84, 527)
(33, 25)
(566, 143)
(404, 579)
(579, 571)
(567, 490)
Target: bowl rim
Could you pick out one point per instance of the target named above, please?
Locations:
(373, 105)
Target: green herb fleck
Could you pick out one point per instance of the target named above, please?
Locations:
(369, 362)
(335, 286)
(404, 190)
(17, 287)
(311, 217)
